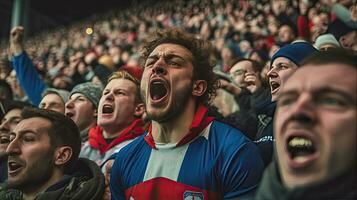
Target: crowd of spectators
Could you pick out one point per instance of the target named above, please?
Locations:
(90, 50)
(256, 46)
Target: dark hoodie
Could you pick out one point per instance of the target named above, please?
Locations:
(85, 183)
(271, 187)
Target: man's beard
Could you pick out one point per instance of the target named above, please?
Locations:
(179, 102)
(39, 173)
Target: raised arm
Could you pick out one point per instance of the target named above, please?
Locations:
(26, 73)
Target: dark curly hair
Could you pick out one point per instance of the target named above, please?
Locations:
(201, 50)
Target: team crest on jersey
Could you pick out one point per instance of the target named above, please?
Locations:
(190, 195)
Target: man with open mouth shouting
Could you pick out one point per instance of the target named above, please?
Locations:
(10, 116)
(185, 154)
(43, 160)
(119, 118)
(283, 63)
(82, 107)
(315, 131)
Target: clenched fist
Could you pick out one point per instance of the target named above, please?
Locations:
(16, 40)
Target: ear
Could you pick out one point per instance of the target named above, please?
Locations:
(62, 155)
(139, 110)
(199, 88)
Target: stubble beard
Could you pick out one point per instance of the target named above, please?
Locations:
(39, 173)
(179, 102)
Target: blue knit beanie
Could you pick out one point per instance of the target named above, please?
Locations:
(296, 52)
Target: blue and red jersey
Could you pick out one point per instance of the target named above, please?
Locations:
(213, 161)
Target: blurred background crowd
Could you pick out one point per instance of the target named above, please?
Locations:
(91, 49)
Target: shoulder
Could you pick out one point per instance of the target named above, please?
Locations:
(130, 161)
(87, 181)
(226, 134)
(227, 140)
(133, 147)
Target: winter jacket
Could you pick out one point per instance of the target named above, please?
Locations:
(265, 134)
(85, 183)
(246, 118)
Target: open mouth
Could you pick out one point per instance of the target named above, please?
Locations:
(300, 148)
(274, 86)
(158, 90)
(107, 109)
(69, 114)
(14, 167)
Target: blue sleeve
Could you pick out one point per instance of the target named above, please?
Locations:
(116, 186)
(241, 170)
(28, 77)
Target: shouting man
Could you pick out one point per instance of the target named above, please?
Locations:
(185, 154)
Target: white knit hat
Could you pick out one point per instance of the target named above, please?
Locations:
(326, 39)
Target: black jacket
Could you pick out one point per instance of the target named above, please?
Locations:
(265, 134)
(85, 183)
(246, 119)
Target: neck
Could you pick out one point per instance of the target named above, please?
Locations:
(87, 127)
(112, 132)
(31, 193)
(175, 129)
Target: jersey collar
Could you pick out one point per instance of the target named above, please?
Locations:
(200, 121)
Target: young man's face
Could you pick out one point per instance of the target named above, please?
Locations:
(30, 161)
(315, 124)
(166, 85)
(280, 70)
(53, 102)
(117, 104)
(8, 123)
(80, 110)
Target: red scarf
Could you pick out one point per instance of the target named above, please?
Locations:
(200, 121)
(97, 141)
